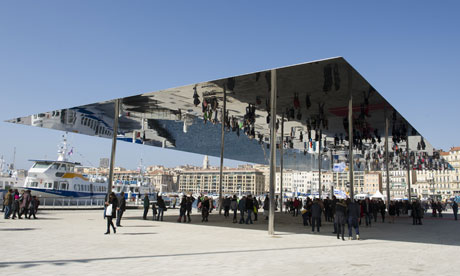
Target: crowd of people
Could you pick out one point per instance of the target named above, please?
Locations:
(17, 204)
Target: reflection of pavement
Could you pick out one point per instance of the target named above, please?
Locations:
(72, 242)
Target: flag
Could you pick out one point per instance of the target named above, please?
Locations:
(70, 152)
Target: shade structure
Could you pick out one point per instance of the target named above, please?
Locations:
(313, 97)
(377, 195)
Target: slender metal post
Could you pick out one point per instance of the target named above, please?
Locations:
(387, 162)
(281, 164)
(408, 168)
(271, 216)
(332, 171)
(350, 134)
(222, 145)
(319, 165)
(114, 143)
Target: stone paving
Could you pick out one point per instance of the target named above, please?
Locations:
(73, 243)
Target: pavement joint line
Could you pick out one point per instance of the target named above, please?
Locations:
(360, 243)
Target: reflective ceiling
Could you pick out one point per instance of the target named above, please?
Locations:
(313, 98)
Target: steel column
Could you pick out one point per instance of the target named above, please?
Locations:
(350, 135)
(319, 165)
(222, 145)
(281, 164)
(114, 143)
(408, 169)
(271, 217)
(387, 162)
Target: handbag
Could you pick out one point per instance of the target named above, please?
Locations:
(108, 211)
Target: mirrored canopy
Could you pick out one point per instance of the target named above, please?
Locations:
(312, 101)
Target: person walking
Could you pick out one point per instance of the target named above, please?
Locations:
(226, 204)
(375, 209)
(182, 209)
(190, 200)
(392, 211)
(161, 208)
(266, 206)
(121, 208)
(340, 218)
(249, 208)
(205, 209)
(353, 216)
(316, 211)
(242, 208)
(455, 209)
(234, 207)
(110, 213)
(7, 203)
(32, 207)
(146, 206)
(382, 209)
(15, 205)
(24, 204)
(256, 208)
(367, 210)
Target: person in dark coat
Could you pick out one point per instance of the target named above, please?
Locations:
(190, 200)
(353, 214)
(226, 204)
(340, 218)
(234, 207)
(121, 208)
(455, 209)
(205, 209)
(381, 207)
(249, 209)
(7, 203)
(111, 212)
(416, 213)
(316, 211)
(367, 210)
(242, 208)
(24, 206)
(161, 208)
(32, 207)
(392, 211)
(146, 205)
(182, 209)
(154, 210)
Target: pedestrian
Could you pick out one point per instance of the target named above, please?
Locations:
(340, 218)
(439, 205)
(249, 209)
(226, 204)
(15, 205)
(455, 209)
(375, 210)
(25, 201)
(242, 208)
(316, 212)
(146, 206)
(182, 209)
(32, 207)
(234, 207)
(392, 211)
(381, 207)
(266, 206)
(367, 210)
(161, 208)
(353, 216)
(189, 204)
(205, 209)
(110, 213)
(7, 203)
(121, 208)
(256, 208)
(154, 210)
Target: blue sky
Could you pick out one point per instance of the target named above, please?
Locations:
(56, 54)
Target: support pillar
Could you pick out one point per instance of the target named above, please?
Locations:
(222, 145)
(350, 135)
(332, 170)
(408, 168)
(320, 190)
(271, 216)
(114, 144)
(281, 164)
(387, 162)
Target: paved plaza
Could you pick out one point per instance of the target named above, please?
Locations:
(73, 243)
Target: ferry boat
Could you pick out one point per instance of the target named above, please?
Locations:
(59, 179)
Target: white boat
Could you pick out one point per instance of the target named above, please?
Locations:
(137, 187)
(59, 179)
(9, 178)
